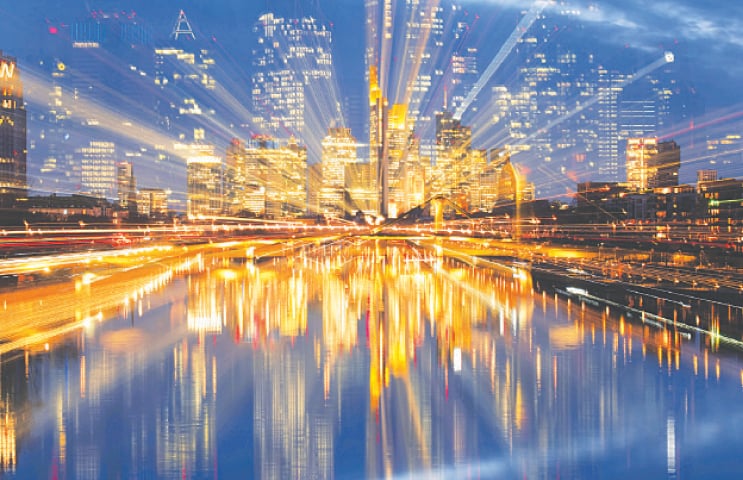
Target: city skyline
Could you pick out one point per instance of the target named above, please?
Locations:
(555, 23)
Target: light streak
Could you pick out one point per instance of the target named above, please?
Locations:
(500, 57)
(665, 59)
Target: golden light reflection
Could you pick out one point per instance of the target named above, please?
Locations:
(8, 446)
(478, 330)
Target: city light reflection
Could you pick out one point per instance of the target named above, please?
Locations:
(425, 353)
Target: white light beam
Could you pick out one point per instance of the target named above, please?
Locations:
(500, 57)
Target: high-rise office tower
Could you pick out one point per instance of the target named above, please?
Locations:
(652, 164)
(378, 141)
(234, 176)
(339, 155)
(205, 185)
(637, 118)
(152, 202)
(273, 176)
(96, 162)
(13, 181)
(452, 147)
(184, 78)
(126, 191)
(52, 142)
(292, 89)
(98, 168)
(405, 182)
(609, 87)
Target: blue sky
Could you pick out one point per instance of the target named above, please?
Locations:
(625, 35)
(706, 34)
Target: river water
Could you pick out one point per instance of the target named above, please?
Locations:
(362, 360)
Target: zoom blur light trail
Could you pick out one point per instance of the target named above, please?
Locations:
(523, 26)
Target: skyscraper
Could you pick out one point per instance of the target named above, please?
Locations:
(184, 76)
(205, 181)
(292, 89)
(270, 177)
(126, 191)
(378, 141)
(98, 166)
(338, 156)
(652, 164)
(13, 181)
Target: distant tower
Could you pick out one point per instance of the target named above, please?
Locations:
(12, 133)
(377, 140)
(182, 28)
(126, 184)
(205, 185)
(98, 166)
(184, 76)
(292, 63)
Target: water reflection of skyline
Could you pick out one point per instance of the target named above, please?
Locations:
(368, 359)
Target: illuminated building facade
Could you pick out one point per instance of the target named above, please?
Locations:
(706, 175)
(271, 178)
(403, 175)
(205, 192)
(609, 88)
(59, 172)
(360, 178)
(152, 202)
(234, 180)
(570, 114)
(377, 141)
(510, 185)
(126, 184)
(453, 147)
(339, 154)
(13, 182)
(721, 199)
(184, 75)
(98, 169)
(292, 65)
(652, 164)
(725, 150)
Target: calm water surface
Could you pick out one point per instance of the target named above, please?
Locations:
(369, 360)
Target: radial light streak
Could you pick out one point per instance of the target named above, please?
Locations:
(665, 59)
(420, 43)
(99, 116)
(505, 50)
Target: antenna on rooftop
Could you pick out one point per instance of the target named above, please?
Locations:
(182, 27)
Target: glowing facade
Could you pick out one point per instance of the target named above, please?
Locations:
(270, 178)
(569, 114)
(98, 166)
(205, 192)
(13, 182)
(152, 202)
(292, 62)
(377, 140)
(126, 184)
(184, 75)
(652, 164)
(339, 154)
